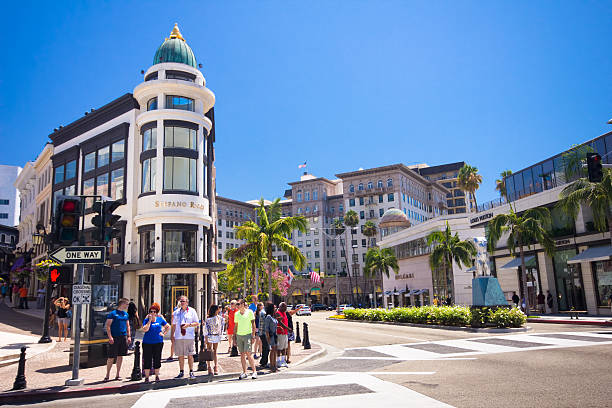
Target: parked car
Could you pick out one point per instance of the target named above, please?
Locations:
(304, 311)
(346, 307)
(318, 306)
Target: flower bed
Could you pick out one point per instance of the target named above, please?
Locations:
(443, 316)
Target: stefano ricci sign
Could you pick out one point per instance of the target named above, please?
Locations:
(179, 204)
(481, 218)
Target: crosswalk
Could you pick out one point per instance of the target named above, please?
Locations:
(467, 348)
(335, 390)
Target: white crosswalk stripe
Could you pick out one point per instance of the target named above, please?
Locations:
(449, 349)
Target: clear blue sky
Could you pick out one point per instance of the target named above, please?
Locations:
(341, 84)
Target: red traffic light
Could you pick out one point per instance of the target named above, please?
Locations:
(69, 205)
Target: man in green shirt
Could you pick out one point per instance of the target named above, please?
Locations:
(244, 328)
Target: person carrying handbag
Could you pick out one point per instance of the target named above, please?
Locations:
(212, 336)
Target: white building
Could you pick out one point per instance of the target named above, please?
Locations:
(9, 197)
(416, 283)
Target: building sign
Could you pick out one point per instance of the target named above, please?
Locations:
(179, 204)
(481, 218)
(404, 276)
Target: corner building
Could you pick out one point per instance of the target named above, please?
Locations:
(153, 149)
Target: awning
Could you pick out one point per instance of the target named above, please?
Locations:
(357, 290)
(332, 291)
(516, 262)
(388, 292)
(600, 253)
(315, 291)
(297, 292)
(19, 262)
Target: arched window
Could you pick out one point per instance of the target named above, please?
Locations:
(360, 187)
(152, 104)
(379, 184)
(370, 185)
(389, 182)
(352, 188)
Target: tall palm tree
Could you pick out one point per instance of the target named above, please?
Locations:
(271, 229)
(469, 180)
(449, 248)
(369, 230)
(598, 196)
(339, 230)
(379, 261)
(523, 231)
(500, 184)
(351, 220)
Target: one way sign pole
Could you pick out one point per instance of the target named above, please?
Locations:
(79, 255)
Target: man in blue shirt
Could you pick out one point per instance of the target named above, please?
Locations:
(253, 305)
(118, 332)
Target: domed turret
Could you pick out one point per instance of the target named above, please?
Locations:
(175, 49)
(392, 221)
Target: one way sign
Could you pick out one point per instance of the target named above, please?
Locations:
(79, 255)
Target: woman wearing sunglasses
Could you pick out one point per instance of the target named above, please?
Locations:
(155, 327)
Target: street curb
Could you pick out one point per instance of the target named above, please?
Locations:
(27, 314)
(440, 327)
(313, 356)
(580, 322)
(4, 363)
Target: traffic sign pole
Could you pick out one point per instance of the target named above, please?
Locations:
(75, 380)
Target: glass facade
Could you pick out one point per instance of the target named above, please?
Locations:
(568, 280)
(147, 246)
(148, 175)
(179, 102)
(149, 139)
(179, 246)
(180, 174)
(182, 137)
(603, 282)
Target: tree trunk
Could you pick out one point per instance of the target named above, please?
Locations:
(524, 281)
(256, 271)
(451, 277)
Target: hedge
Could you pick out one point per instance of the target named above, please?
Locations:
(442, 315)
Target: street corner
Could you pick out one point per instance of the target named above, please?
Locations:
(12, 343)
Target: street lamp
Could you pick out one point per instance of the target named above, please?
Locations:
(39, 239)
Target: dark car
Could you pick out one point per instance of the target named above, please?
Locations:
(317, 307)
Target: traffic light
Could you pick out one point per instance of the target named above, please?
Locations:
(105, 220)
(594, 166)
(68, 214)
(61, 274)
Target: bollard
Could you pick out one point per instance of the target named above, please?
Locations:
(202, 365)
(298, 339)
(20, 379)
(306, 342)
(136, 373)
(196, 356)
(234, 352)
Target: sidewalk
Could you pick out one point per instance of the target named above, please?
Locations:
(565, 319)
(46, 373)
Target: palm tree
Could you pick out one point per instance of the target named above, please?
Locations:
(270, 229)
(379, 261)
(469, 180)
(351, 220)
(340, 229)
(369, 230)
(598, 196)
(523, 231)
(449, 248)
(500, 184)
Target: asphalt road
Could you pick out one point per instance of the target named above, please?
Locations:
(566, 374)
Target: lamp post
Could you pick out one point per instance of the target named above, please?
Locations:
(39, 239)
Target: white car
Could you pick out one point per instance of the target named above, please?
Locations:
(304, 311)
(346, 307)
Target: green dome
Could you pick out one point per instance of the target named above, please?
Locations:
(175, 49)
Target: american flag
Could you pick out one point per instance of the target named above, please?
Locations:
(301, 166)
(314, 277)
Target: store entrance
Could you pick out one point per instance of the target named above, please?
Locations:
(173, 287)
(568, 279)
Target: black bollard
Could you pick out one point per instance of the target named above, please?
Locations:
(202, 366)
(306, 342)
(136, 373)
(298, 339)
(196, 356)
(20, 380)
(234, 352)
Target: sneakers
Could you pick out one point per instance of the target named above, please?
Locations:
(191, 375)
(255, 356)
(242, 376)
(181, 375)
(254, 376)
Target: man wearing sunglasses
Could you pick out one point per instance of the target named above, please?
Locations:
(184, 321)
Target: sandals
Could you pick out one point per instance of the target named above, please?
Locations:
(106, 379)
(157, 378)
(216, 372)
(118, 378)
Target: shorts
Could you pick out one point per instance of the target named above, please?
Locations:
(118, 348)
(184, 347)
(213, 338)
(243, 342)
(64, 320)
(281, 342)
(230, 329)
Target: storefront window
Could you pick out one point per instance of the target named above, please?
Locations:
(180, 174)
(148, 175)
(179, 246)
(116, 192)
(147, 246)
(603, 280)
(568, 280)
(149, 139)
(173, 287)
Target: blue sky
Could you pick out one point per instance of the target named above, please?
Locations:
(341, 84)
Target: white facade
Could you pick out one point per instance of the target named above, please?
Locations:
(9, 196)
(415, 273)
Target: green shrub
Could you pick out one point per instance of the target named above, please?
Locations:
(507, 317)
(480, 316)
